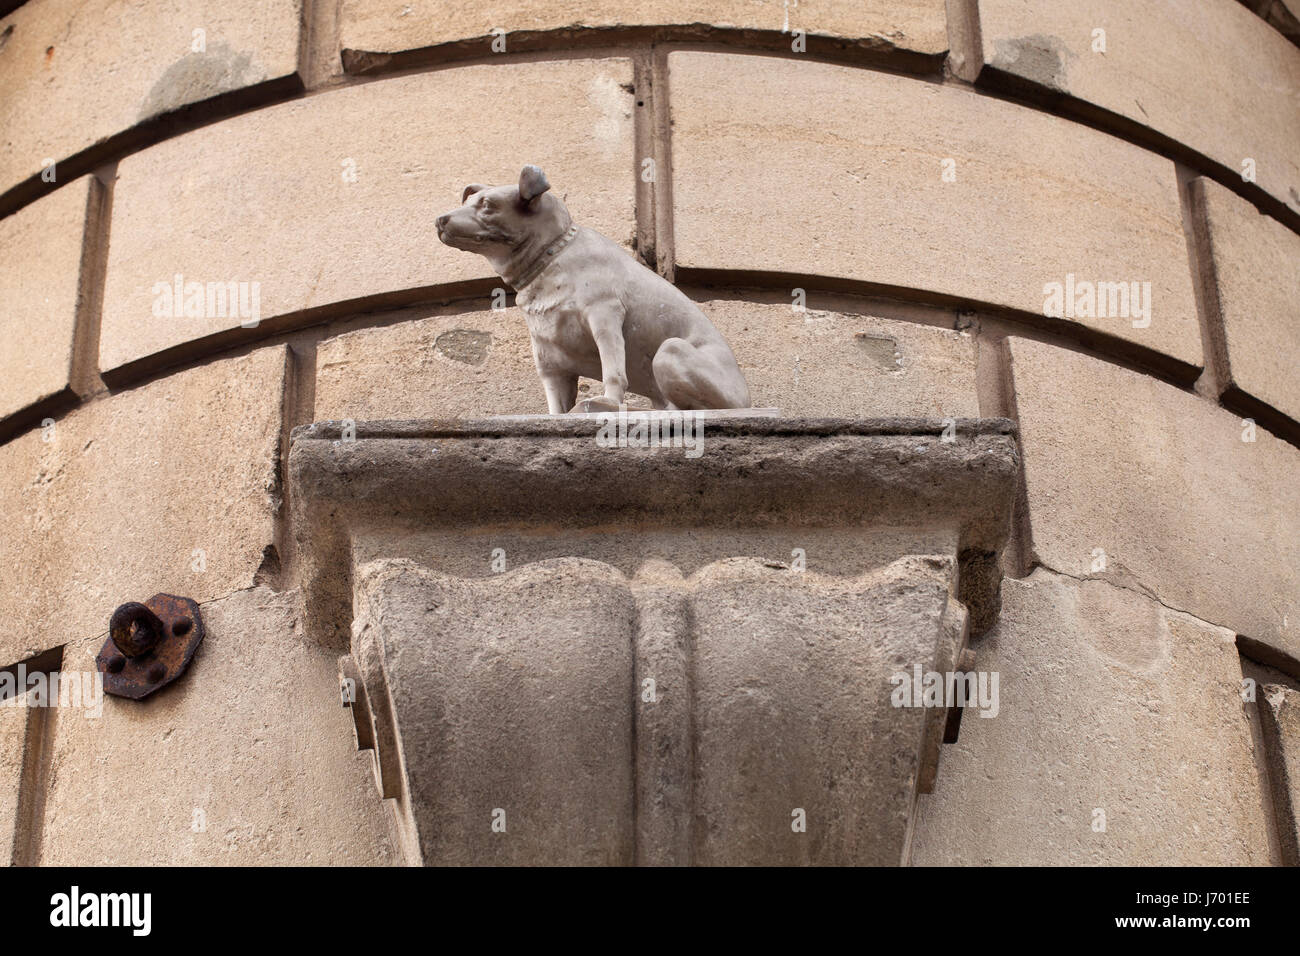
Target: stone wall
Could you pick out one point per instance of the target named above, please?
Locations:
(870, 198)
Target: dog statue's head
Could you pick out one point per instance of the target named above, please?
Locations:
(505, 223)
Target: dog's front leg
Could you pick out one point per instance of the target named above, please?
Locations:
(606, 323)
(561, 392)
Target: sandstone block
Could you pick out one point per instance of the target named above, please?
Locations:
(75, 73)
(246, 760)
(373, 26)
(40, 293)
(1253, 265)
(334, 197)
(881, 179)
(811, 364)
(1244, 74)
(1134, 481)
(170, 487)
(1098, 754)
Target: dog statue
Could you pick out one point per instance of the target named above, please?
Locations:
(592, 309)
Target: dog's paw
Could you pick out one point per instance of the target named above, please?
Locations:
(598, 404)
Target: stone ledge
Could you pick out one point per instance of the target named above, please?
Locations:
(579, 426)
(548, 472)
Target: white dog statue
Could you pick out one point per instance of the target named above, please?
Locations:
(592, 309)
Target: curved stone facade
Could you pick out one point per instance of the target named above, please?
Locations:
(217, 227)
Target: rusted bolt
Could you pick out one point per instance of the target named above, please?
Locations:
(149, 645)
(135, 629)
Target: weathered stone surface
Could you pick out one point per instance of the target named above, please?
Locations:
(659, 565)
(1247, 76)
(376, 26)
(1279, 709)
(1254, 269)
(246, 760)
(843, 174)
(1108, 702)
(1161, 481)
(740, 472)
(13, 734)
(361, 173)
(458, 365)
(1282, 15)
(814, 363)
(822, 363)
(75, 72)
(170, 487)
(801, 757)
(783, 746)
(410, 529)
(40, 247)
(512, 702)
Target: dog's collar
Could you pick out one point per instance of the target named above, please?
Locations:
(544, 259)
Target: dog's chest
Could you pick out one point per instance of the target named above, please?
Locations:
(554, 319)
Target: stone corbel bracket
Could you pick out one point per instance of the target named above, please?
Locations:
(653, 679)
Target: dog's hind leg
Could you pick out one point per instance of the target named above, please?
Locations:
(689, 377)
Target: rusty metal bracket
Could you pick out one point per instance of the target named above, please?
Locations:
(149, 645)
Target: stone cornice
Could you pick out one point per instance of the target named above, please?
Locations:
(550, 470)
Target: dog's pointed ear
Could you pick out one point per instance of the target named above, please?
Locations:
(532, 183)
(470, 190)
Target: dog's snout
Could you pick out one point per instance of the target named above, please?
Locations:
(441, 220)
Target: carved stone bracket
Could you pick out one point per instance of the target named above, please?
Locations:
(569, 653)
